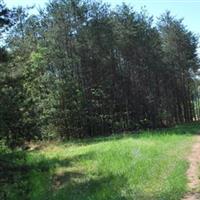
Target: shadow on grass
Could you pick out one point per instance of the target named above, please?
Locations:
(111, 187)
(16, 173)
(25, 181)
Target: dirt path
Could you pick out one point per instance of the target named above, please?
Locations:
(192, 173)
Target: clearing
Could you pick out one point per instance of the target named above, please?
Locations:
(151, 165)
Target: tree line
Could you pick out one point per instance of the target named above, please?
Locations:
(80, 68)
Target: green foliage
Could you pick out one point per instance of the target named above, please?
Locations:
(85, 69)
(16, 123)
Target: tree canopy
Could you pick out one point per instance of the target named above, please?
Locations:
(80, 69)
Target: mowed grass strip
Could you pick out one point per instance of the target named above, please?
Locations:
(149, 165)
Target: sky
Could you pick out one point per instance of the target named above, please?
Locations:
(187, 9)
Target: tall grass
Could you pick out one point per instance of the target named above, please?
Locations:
(146, 166)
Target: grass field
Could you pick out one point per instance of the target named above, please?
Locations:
(145, 166)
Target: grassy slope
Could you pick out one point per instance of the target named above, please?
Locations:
(148, 166)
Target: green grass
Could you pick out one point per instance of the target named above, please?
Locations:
(146, 166)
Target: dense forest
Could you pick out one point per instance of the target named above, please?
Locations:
(81, 68)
